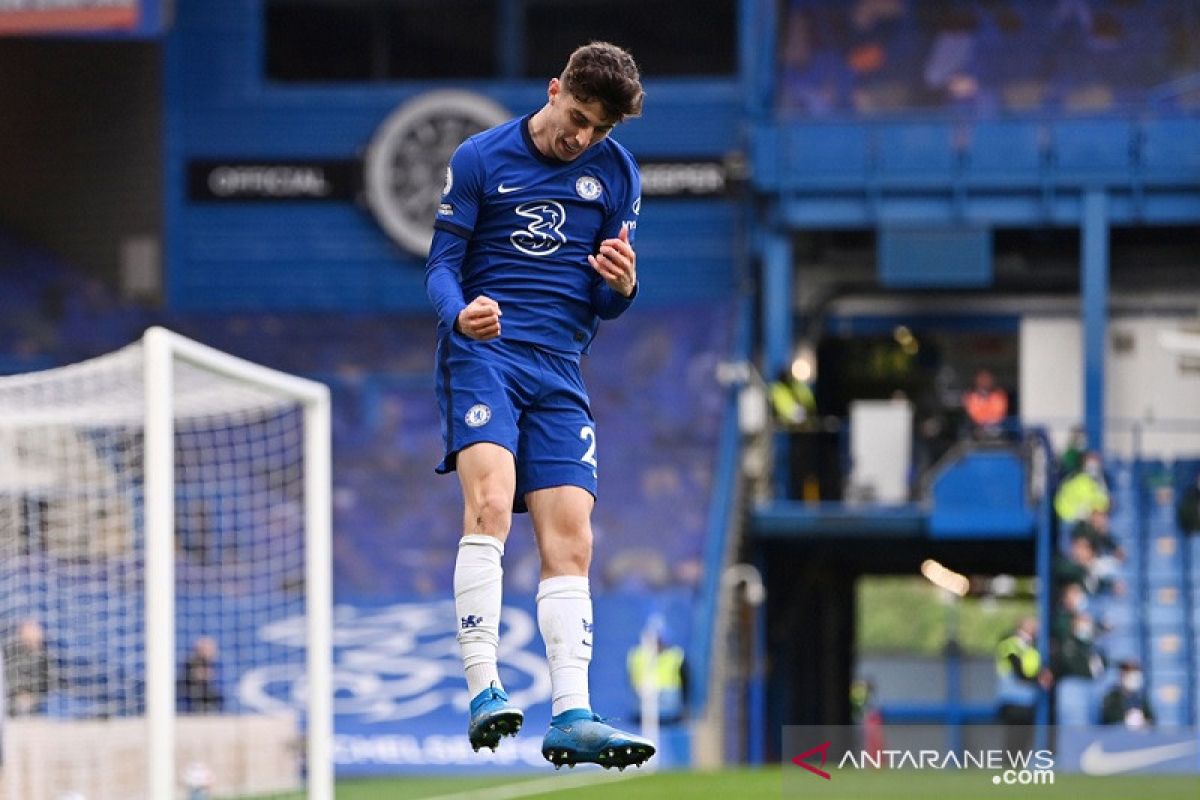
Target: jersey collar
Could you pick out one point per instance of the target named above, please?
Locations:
(533, 150)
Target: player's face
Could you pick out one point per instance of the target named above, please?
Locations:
(574, 125)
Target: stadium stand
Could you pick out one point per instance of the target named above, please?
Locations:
(1153, 619)
(879, 58)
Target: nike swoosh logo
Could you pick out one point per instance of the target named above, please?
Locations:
(586, 643)
(502, 189)
(1094, 761)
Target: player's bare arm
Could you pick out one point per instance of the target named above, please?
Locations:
(480, 319)
(617, 263)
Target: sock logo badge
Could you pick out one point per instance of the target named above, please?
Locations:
(471, 621)
(587, 628)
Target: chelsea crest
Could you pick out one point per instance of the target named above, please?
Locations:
(587, 187)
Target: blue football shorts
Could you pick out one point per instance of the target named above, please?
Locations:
(530, 401)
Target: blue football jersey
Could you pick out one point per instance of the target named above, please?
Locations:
(529, 223)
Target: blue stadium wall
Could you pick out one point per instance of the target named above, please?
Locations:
(333, 256)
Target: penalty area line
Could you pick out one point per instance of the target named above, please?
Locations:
(513, 791)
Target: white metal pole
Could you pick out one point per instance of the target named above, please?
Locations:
(159, 601)
(319, 581)
(649, 689)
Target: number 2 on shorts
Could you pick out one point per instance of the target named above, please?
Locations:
(588, 434)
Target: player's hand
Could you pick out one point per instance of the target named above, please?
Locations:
(617, 263)
(480, 319)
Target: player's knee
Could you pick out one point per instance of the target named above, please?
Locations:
(575, 563)
(490, 512)
(571, 553)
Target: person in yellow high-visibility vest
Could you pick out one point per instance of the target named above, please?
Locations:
(792, 401)
(662, 666)
(794, 411)
(1020, 677)
(1084, 492)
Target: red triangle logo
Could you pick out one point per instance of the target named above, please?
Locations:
(800, 761)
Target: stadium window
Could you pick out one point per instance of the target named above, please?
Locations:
(442, 39)
(667, 37)
(309, 40)
(314, 41)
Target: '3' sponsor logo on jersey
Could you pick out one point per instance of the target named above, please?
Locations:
(542, 235)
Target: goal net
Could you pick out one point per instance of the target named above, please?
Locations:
(164, 578)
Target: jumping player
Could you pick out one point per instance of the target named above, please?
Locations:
(533, 246)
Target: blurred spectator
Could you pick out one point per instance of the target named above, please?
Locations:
(1108, 552)
(1084, 492)
(862, 699)
(1077, 446)
(865, 713)
(1097, 530)
(1073, 566)
(813, 77)
(1188, 510)
(1072, 599)
(1080, 565)
(794, 409)
(889, 55)
(1077, 664)
(194, 526)
(792, 401)
(986, 405)
(1019, 675)
(28, 678)
(199, 685)
(655, 665)
(1126, 702)
(949, 71)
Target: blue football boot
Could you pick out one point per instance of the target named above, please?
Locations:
(492, 718)
(578, 736)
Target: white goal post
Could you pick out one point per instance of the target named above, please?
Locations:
(114, 471)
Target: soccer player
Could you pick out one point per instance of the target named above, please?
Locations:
(533, 246)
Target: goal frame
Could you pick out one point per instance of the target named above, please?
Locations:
(162, 348)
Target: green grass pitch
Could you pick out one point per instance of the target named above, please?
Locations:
(763, 784)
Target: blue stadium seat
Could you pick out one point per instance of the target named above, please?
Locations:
(1119, 613)
(1120, 647)
(1164, 554)
(1078, 701)
(1168, 650)
(1169, 696)
(1167, 619)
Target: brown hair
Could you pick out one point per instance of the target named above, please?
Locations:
(602, 71)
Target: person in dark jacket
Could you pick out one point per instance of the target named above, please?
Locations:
(1126, 702)
(1188, 510)
(199, 685)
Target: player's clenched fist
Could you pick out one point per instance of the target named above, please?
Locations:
(617, 263)
(480, 319)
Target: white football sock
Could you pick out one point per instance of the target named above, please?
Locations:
(564, 610)
(478, 581)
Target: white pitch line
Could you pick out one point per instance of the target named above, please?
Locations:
(513, 791)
